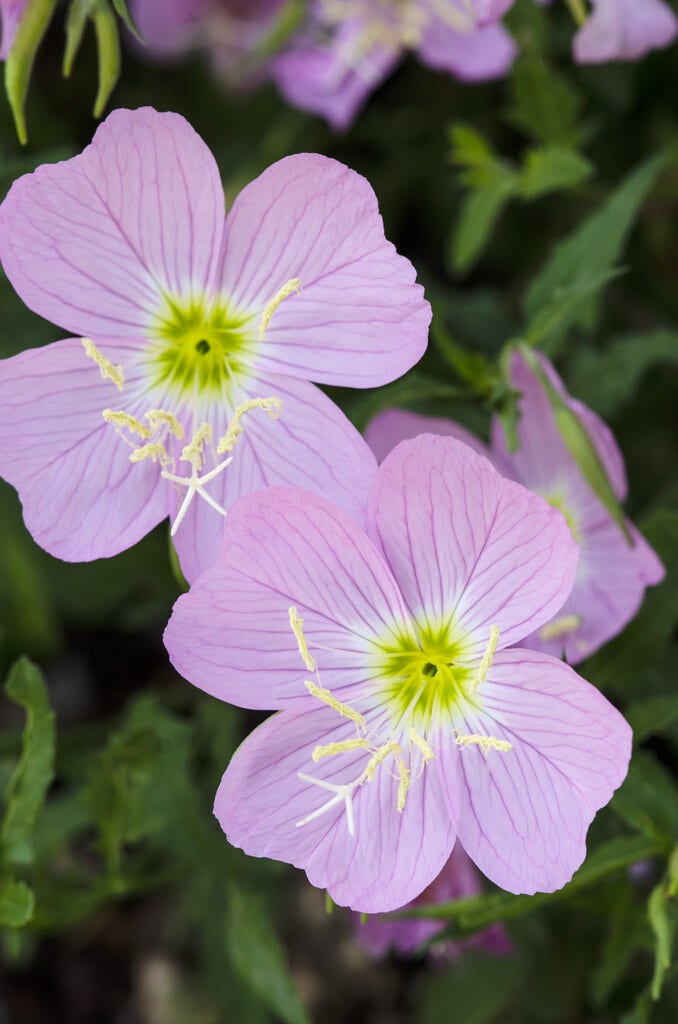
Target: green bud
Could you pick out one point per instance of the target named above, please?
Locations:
(19, 65)
(108, 46)
(580, 446)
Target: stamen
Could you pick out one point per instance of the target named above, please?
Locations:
(154, 450)
(378, 757)
(560, 627)
(297, 624)
(404, 774)
(270, 405)
(287, 289)
(486, 661)
(194, 451)
(108, 370)
(427, 751)
(486, 743)
(161, 418)
(343, 747)
(345, 710)
(122, 420)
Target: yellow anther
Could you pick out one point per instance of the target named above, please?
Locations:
(154, 450)
(162, 418)
(345, 710)
(403, 784)
(560, 627)
(427, 752)
(108, 370)
(287, 289)
(122, 420)
(486, 661)
(325, 750)
(194, 451)
(270, 405)
(297, 624)
(378, 757)
(486, 743)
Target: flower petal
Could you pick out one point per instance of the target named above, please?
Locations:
(624, 30)
(360, 319)
(391, 857)
(390, 427)
(92, 243)
(312, 445)
(522, 814)
(472, 56)
(82, 497)
(465, 543)
(231, 636)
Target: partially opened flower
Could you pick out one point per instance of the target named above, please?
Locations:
(350, 46)
(624, 30)
(188, 322)
(614, 569)
(406, 936)
(416, 721)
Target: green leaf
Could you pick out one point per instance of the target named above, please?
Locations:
(593, 248)
(624, 935)
(658, 915)
(648, 798)
(544, 105)
(608, 378)
(564, 303)
(258, 957)
(551, 169)
(479, 992)
(16, 903)
(34, 23)
(653, 715)
(33, 774)
(480, 211)
(108, 48)
(413, 389)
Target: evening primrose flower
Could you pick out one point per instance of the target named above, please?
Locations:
(406, 936)
(613, 573)
(350, 46)
(185, 323)
(624, 30)
(406, 718)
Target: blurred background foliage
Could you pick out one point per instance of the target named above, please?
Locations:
(543, 208)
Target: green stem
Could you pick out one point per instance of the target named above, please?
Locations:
(578, 11)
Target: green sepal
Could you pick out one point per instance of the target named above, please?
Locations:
(122, 10)
(108, 48)
(21, 57)
(580, 446)
(76, 21)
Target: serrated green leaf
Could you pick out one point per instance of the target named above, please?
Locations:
(33, 774)
(544, 105)
(16, 903)
(593, 248)
(35, 20)
(647, 717)
(256, 953)
(551, 169)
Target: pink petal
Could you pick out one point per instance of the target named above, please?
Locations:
(360, 319)
(93, 243)
(170, 27)
(11, 12)
(464, 542)
(391, 857)
(389, 428)
(311, 445)
(522, 815)
(231, 636)
(624, 30)
(82, 497)
(324, 80)
(472, 56)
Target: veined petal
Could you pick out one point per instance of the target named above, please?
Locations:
(607, 593)
(466, 545)
(390, 427)
(360, 319)
(471, 56)
(93, 243)
(392, 855)
(82, 497)
(231, 635)
(312, 445)
(522, 814)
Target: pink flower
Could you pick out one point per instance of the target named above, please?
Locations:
(189, 319)
(458, 879)
(624, 30)
(333, 75)
(10, 13)
(416, 721)
(612, 575)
